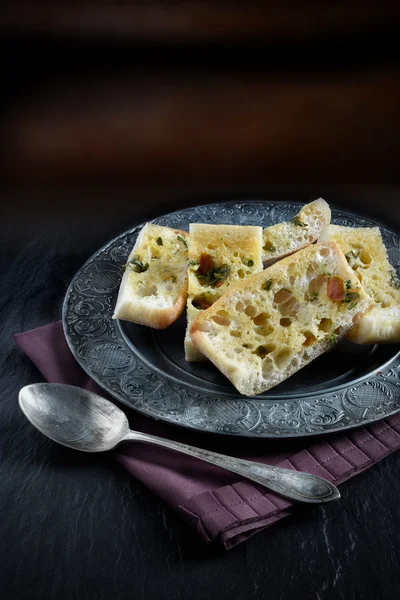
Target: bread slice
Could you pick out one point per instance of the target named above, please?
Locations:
(285, 238)
(153, 289)
(367, 256)
(274, 323)
(219, 257)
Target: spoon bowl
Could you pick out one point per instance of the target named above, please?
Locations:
(74, 417)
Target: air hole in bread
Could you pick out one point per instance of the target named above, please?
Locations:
(201, 302)
(212, 246)
(263, 350)
(283, 357)
(312, 269)
(264, 331)
(310, 338)
(224, 321)
(241, 274)
(150, 290)
(235, 333)
(289, 308)
(285, 322)
(239, 307)
(262, 319)
(315, 285)
(267, 366)
(324, 252)
(365, 257)
(251, 311)
(282, 296)
(238, 350)
(325, 325)
(236, 254)
(359, 275)
(292, 279)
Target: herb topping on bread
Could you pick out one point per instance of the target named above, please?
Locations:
(274, 323)
(153, 289)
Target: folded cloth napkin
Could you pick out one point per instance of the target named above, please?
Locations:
(216, 503)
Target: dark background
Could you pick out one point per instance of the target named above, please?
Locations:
(115, 112)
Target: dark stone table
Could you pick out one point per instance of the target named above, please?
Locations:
(76, 526)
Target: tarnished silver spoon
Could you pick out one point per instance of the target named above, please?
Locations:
(85, 421)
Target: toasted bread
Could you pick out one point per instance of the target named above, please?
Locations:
(219, 257)
(367, 256)
(153, 289)
(274, 323)
(288, 237)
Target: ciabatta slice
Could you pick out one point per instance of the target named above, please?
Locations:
(219, 257)
(290, 236)
(274, 323)
(367, 256)
(153, 289)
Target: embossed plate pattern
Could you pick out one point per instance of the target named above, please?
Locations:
(145, 369)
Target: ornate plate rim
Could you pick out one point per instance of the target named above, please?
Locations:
(385, 381)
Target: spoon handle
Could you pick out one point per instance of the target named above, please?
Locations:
(296, 485)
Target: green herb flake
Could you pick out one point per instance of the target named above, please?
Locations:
(296, 220)
(159, 241)
(173, 278)
(194, 263)
(352, 297)
(269, 247)
(267, 285)
(352, 305)
(215, 277)
(181, 239)
(313, 297)
(249, 262)
(352, 255)
(137, 265)
(123, 268)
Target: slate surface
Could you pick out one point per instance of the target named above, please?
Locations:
(75, 526)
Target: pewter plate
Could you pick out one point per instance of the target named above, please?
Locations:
(145, 369)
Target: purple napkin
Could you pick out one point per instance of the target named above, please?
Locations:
(217, 504)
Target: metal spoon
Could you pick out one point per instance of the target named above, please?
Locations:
(85, 421)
